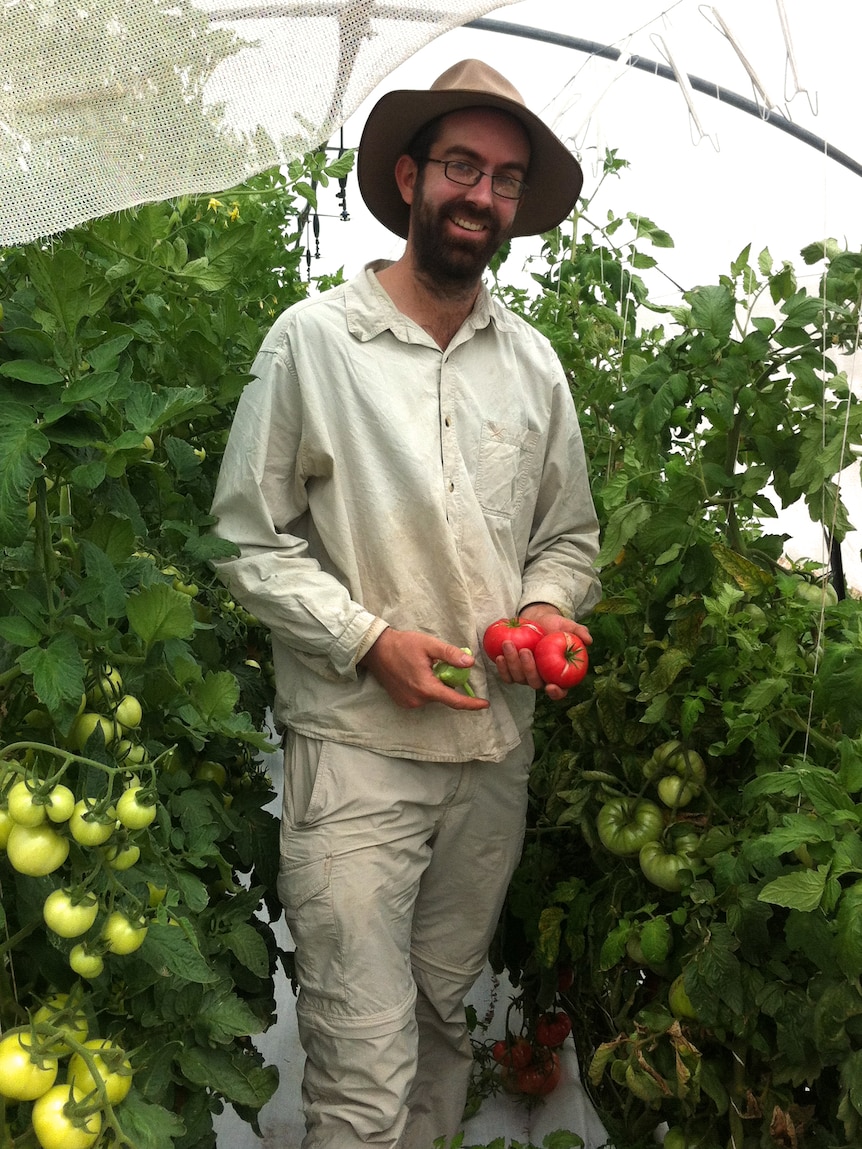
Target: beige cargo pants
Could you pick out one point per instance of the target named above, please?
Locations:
(393, 873)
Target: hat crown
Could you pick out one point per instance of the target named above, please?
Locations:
(475, 76)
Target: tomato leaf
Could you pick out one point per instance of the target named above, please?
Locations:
(159, 612)
(169, 949)
(147, 1126)
(57, 670)
(797, 891)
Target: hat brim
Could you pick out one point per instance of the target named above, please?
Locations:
(554, 178)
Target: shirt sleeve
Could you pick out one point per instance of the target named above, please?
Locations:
(564, 540)
(260, 504)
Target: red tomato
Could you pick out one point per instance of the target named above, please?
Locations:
(524, 634)
(512, 1054)
(561, 659)
(540, 1079)
(552, 1029)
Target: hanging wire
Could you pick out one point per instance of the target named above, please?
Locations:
(790, 68)
(714, 17)
(686, 89)
(709, 88)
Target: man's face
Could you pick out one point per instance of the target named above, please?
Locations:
(454, 229)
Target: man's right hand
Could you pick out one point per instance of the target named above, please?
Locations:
(402, 661)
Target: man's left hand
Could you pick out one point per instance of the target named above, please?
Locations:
(519, 666)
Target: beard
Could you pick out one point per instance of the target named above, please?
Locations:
(448, 262)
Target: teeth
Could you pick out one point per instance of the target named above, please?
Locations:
(468, 225)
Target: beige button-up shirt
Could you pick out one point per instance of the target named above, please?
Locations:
(373, 479)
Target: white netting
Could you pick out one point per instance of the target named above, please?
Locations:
(109, 103)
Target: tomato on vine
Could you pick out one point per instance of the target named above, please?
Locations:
(112, 1067)
(133, 810)
(64, 1020)
(512, 1054)
(540, 1078)
(25, 1074)
(61, 1122)
(123, 935)
(67, 916)
(60, 804)
(625, 825)
(552, 1029)
(86, 962)
(36, 850)
(24, 806)
(88, 827)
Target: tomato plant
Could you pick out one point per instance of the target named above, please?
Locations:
(561, 658)
(521, 632)
(725, 684)
(121, 359)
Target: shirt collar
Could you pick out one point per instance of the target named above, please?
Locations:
(370, 311)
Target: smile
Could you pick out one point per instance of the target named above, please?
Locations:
(465, 223)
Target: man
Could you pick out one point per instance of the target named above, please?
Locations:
(405, 469)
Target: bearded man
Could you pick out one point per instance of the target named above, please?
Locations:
(405, 468)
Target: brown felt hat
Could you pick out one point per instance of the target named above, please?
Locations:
(554, 178)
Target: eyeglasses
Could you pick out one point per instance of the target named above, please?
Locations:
(467, 175)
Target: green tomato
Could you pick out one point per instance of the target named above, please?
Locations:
(88, 828)
(664, 865)
(63, 1021)
(85, 962)
(58, 1126)
(61, 804)
(67, 917)
(122, 857)
(675, 792)
(6, 824)
(211, 772)
(24, 1074)
(108, 687)
(121, 935)
(132, 811)
(814, 594)
(113, 1070)
(85, 727)
(128, 712)
(679, 1001)
(130, 753)
(627, 824)
(24, 808)
(36, 850)
(674, 1139)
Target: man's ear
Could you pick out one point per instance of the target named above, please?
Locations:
(406, 173)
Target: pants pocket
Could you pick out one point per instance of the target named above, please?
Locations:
(305, 892)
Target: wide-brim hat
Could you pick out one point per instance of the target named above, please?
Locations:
(554, 177)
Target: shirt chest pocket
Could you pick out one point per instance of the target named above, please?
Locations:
(507, 465)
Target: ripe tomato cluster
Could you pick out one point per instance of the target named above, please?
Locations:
(561, 657)
(532, 1067)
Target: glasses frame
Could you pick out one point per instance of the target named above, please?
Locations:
(447, 164)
